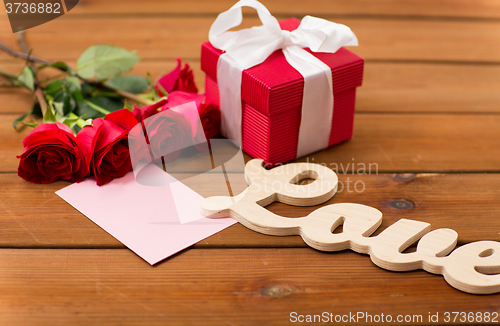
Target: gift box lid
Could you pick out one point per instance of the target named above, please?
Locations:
(274, 86)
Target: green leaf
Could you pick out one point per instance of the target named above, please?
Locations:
(30, 124)
(59, 65)
(75, 81)
(105, 62)
(59, 107)
(36, 109)
(98, 107)
(86, 123)
(110, 104)
(70, 122)
(74, 121)
(55, 90)
(165, 93)
(27, 78)
(128, 106)
(85, 110)
(87, 89)
(69, 104)
(49, 116)
(21, 118)
(74, 88)
(151, 87)
(67, 92)
(131, 83)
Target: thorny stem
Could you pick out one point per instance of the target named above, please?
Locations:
(22, 55)
(131, 96)
(96, 107)
(32, 58)
(22, 43)
(38, 90)
(41, 100)
(8, 76)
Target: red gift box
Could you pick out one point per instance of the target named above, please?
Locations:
(271, 95)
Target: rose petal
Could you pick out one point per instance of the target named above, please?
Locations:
(178, 98)
(168, 81)
(51, 153)
(210, 119)
(123, 118)
(148, 110)
(109, 134)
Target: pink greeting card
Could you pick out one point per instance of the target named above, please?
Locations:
(153, 221)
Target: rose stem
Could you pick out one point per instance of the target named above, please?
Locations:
(96, 107)
(32, 58)
(38, 91)
(41, 100)
(22, 55)
(22, 43)
(8, 76)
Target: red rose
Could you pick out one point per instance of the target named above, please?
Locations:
(177, 98)
(175, 128)
(177, 80)
(210, 120)
(107, 145)
(208, 114)
(169, 133)
(51, 153)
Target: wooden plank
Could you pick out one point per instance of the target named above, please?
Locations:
(387, 87)
(15, 101)
(463, 202)
(214, 287)
(434, 88)
(164, 38)
(11, 142)
(426, 8)
(420, 142)
(394, 142)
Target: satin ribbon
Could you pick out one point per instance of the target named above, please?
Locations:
(249, 47)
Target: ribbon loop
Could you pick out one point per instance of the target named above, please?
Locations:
(240, 42)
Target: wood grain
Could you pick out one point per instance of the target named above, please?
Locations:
(429, 87)
(419, 142)
(281, 184)
(392, 142)
(412, 8)
(160, 38)
(46, 221)
(213, 287)
(387, 87)
(424, 57)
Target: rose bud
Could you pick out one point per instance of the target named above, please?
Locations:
(177, 80)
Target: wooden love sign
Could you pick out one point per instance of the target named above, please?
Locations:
(472, 268)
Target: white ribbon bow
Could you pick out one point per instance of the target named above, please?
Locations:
(249, 47)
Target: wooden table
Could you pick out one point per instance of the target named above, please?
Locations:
(427, 118)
